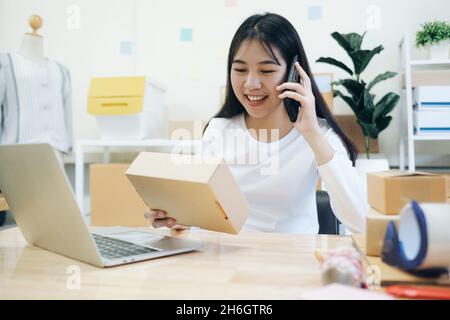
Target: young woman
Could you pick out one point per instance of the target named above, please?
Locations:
(314, 146)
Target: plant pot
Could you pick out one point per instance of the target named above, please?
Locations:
(439, 51)
(364, 166)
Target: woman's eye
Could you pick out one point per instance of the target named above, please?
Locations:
(239, 70)
(267, 71)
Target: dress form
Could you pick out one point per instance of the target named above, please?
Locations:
(32, 47)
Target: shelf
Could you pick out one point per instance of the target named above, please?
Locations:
(412, 75)
(445, 62)
(430, 137)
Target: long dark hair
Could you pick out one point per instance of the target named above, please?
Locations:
(274, 30)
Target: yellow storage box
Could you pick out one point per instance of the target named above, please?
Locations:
(128, 108)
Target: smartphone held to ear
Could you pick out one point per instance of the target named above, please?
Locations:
(292, 106)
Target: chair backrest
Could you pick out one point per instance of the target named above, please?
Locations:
(328, 223)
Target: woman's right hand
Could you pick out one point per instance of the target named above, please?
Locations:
(159, 218)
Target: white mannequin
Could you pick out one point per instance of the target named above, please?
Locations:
(32, 46)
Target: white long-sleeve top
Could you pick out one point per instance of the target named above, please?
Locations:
(35, 102)
(279, 178)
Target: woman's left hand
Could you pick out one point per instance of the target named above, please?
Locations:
(306, 121)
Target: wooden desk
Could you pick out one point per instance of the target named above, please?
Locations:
(247, 266)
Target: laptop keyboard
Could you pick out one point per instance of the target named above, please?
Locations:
(114, 248)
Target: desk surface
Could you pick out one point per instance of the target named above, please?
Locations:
(247, 266)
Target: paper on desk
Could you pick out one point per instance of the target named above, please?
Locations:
(338, 291)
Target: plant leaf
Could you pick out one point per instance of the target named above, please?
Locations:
(381, 77)
(348, 100)
(386, 105)
(369, 129)
(383, 122)
(361, 58)
(366, 115)
(336, 63)
(368, 100)
(353, 87)
(349, 41)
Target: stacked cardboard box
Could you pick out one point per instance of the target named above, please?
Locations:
(389, 191)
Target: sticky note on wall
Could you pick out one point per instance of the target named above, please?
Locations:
(186, 34)
(126, 48)
(230, 3)
(314, 12)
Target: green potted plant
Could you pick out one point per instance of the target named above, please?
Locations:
(373, 117)
(435, 36)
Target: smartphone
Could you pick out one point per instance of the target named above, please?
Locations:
(292, 106)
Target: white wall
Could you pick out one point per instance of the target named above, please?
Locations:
(194, 72)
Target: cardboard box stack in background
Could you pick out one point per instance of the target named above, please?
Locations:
(114, 201)
(389, 191)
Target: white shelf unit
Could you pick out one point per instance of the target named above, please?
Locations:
(406, 113)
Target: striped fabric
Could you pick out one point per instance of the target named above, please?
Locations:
(35, 102)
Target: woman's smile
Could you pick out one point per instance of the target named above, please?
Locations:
(255, 100)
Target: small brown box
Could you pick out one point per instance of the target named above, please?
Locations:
(389, 191)
(195, 191)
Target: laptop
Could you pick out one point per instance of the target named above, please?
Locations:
(42, 202)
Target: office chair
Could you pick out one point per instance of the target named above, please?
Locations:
(328, 223)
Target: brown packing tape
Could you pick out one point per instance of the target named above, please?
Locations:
(402, 173)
